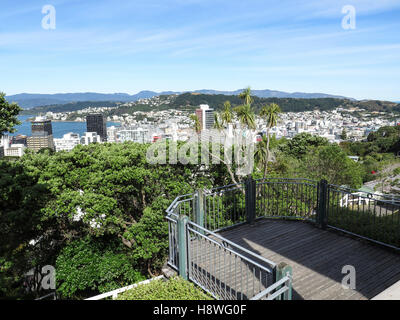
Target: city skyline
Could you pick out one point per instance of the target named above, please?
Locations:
(116, 46)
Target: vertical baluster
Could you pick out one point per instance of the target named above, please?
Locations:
(254, 279)
(241, 279)
(225, 275)
(215, 266)
(230, 269)
(268, 200)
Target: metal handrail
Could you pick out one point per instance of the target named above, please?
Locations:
(237, 186)
(287, 179)
(172, 205)
(219, 191)
(286, 182)
(48, 295)
(269, 262)
(271, 288)
(353, 191)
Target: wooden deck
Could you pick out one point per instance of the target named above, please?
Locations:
(317, 258)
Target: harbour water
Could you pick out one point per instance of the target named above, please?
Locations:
(59, 127)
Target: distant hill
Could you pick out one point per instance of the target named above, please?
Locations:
(216, 101)
(274, 94)
(29, 100)
(191, 100)
(378, 105)
(69, 107)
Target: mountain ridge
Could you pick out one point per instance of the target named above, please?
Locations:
(31, 100)
(190, 101)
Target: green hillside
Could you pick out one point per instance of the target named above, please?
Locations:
(189, 101)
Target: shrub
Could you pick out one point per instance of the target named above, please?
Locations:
(175, 288)
(88, 267)
(377, 223)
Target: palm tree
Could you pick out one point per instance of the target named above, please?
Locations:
(261, 153)
(271, 115)
(244, 112)
(246, 116)
(227, 114)
(246, 96)
(197, 125)
(217, 123)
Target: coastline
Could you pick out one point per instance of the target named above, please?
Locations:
(60, 127)
(69, 121)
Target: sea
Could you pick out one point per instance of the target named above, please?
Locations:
(59, 127)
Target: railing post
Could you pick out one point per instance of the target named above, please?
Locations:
(322, 203)
(199, 209)
(282, 270)
(250, 199)
(182, 246)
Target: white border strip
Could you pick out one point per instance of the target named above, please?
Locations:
(115, 293)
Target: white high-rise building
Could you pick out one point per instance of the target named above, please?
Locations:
(139, 135)
(90, 137)
(67, 142)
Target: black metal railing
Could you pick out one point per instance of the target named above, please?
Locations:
(287, 198)
(372, 216)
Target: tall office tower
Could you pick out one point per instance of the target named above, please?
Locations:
(206, 116)
(209, 119)
(95, 122)
(41, 127)
(42, 134)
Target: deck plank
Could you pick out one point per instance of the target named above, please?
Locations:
(316, 256)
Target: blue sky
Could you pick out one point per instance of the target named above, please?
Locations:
(128, 46)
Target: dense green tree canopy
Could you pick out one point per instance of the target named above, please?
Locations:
(302, 143)
(105, 193)
(386, 139)
(332, 164)
(8, 115)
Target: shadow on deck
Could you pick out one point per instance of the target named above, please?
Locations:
(317, 258)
